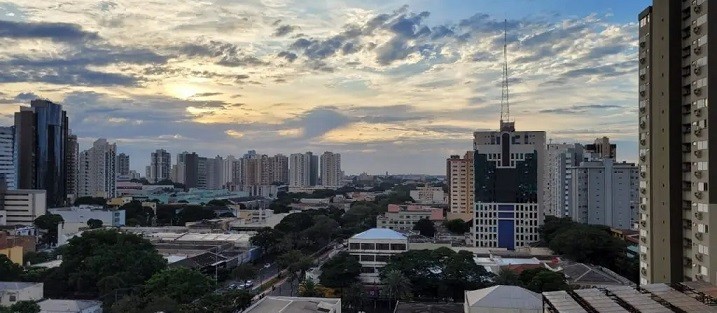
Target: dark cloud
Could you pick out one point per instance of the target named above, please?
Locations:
(284, 30)
(224, 53)
(206, 94)
(53, 31)
(580, 109)
(289, 56)
(26, 97)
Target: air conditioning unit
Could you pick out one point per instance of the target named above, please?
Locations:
(698, 256)
(698, 153)
(698, 132)
(643, 256)
(698, 70)
(643, 239)
(698, 91)
(642, 60)
(697, 50)
(642, 44)
(643, 124)
(697, 8)
(698, 174)
(643, 223)
(643, 76)
(696, 29)
(643, 207)
(642, 93)
(643, 174)
(698, 215)
(698, 195)
(643, 190)
(697, 112)
(643, 142)
(698, 236)
(643, 271)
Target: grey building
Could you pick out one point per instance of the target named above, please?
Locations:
(7, 156)
(41, 135)
(191, 170)
(160, 166)
(72, 153)
(674, 142)
(123, 164)
(602, 192)
(559, 157)
(602, 149)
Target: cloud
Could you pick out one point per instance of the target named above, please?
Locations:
(223, 53)
(54, 31)
(284, 30)
(289, 56)
(580, 109)
(234, 134)
(26, 97)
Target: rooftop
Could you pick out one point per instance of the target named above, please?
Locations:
(590, 275)
(8, 285)
(57, 306)
(424, 307)
(379, 233)
(294, 305)
(509, 297)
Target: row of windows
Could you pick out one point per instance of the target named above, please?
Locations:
(378, 246)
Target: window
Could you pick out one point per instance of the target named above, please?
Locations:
(354, 246)
(13, 298)
(366, 258)
(398, 246)
(382, 258)
(383, 246)
(368, 270)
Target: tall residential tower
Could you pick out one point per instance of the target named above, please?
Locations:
(676, 165)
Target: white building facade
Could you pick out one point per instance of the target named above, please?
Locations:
(331, 175)
(97, 173)
(559, 157)
(459, 173)
(374, 248)
(22, 207)
(160, 166)
(300, 170)
(603, 192)
(428, 195)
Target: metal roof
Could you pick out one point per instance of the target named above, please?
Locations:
(380, 233)
(599, 301)
(677, 299)
(640, 301)
(511, 297)
(563, 302)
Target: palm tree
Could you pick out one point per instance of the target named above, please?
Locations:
(354, 297)
(397, 285)
(308, 289)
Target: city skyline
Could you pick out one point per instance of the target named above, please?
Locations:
(391, 87)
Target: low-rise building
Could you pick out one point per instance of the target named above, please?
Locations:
(70, 306)
(504, 299)
(403, 217)
(15, 246)
(22, 207)
(295, 305)
(373, 248)
(428, 195)
(13, 292)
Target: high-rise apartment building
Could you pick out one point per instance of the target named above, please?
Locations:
(300, 169)
(190, 169)
(508, 171)
(97, 172)
(559, 157)
(331, 175)
(601, 149)
(202, 167)
(228, 170)
(7, 156)
(123, 164)
(160, 166)
(459, 174)
(602, 192)
(313, 169)
(674, 142)
(72, 153)
(215, 173)
(280, 168)
(41, 135)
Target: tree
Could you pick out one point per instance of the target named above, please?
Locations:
(583, 243)
(33, 257)
(49, 223)
(21, 307)
(9, 271)
(94, 223)
(90, 201)
(179, 284)
(340, 271)
(354, 297)
(227, 302)
(136, 214)
(217, 202)
(507, 277)
(295, 223)
(266, 239)
(546, 280)
(397, 285)
(126, 260)
(244, 272)
(425, 227)
(552, 226)
(309, 289)
(457, 226)
(194, 213)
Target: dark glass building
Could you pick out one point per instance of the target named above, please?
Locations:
(41, 133)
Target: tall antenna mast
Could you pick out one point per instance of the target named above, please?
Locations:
(504, 101)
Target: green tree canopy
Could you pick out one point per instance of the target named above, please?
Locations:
(227, 302)
(340, 271)
(9, 271)
(425, 227)
(507, 277)
(21, 307)
(218, 202)
(588, 244)
(94, 223)
(136, 214)
(266, 239)
(457, 226)
(193, 213)
(49, 223)
(117, 259)
(179, 284)
(245, 272)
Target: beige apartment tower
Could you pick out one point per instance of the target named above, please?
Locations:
(459, 175)
(674, 142)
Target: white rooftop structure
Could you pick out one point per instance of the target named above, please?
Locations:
(493, 263)
(70, 306)
(379, 233)
(295, 305)
(503, 299)
(238, 240)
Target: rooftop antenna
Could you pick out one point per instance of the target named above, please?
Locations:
(505, 98)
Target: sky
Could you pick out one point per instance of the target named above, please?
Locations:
(394, 86)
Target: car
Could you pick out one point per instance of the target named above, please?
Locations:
(233, 286)
(267, 265)
(248, 284)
